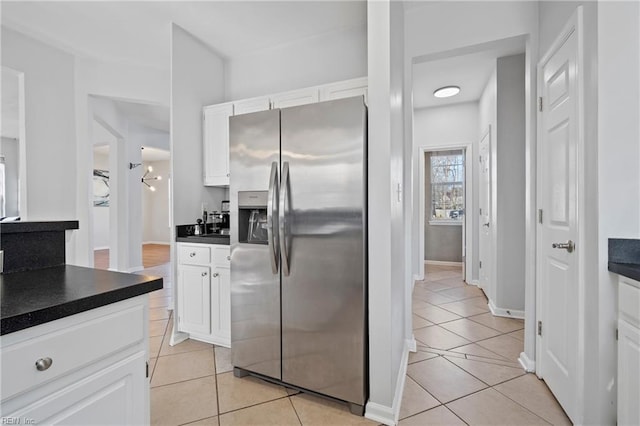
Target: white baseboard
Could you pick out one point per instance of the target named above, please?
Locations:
(475, 282)
(177, 337)
(101, 248)
(526, 363)
(135, 269)
(418, 277)
(412, 345)
(379, 413)
(442, 263)
(389, 415)
(163, 243)
(507, 313)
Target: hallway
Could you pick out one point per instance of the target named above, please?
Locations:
(466, 369)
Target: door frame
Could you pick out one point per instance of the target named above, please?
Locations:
(468, 201)
(573, 25)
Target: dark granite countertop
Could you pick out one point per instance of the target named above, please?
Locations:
(205, 239)
(624, 257)
(53, 226)
(35, 297)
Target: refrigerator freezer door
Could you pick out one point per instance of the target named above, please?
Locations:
(324, 214)
(255, 277)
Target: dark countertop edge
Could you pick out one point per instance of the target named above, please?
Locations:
(628, 270)
(19, 227)
(52, 313)
(222, 240)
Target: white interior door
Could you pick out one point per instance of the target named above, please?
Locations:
(558, 232)
(484, 218)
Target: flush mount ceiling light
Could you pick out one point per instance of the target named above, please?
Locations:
(446, 92)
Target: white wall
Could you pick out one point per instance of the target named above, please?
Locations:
(10, 151)
(450, 125)
(618, 156)
(388, 297)
(326, 58)
(155, 205)
(197, 80)
(50, 135)
(100, 214)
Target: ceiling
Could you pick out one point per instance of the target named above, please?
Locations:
(470, 72)
(138, 31)
(153, 116)
(9, 104)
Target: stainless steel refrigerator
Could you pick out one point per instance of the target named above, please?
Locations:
(298, 247)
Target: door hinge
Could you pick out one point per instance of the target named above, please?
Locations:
(539, 328)
(480, 264)
(540, 215)
(147, 368)
(540, 104)
(480, 211)
(617, 334)
(480, 159)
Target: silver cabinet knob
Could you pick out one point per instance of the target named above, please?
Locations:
(228, 174)
(215, 274)
(204, 274)
(228, 257)
(193, 254)
(569, 246)
(43, 363)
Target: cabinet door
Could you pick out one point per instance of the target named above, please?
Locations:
(216, 144)
(628, 374)
(194, 297)
(345, 89)
(251, 105)
(117, 395)
(221, 307)
(295, 98)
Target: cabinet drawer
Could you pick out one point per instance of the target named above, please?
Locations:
(68, 348)
(194, 254)
(629, 302)
(222, 256)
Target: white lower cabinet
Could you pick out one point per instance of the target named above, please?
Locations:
(97, 369)
(204, 292)
(194, 291)
(628, 352)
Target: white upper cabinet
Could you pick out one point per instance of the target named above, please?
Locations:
(251, 105)
(345, 89)
(216, 144)
(295, 98)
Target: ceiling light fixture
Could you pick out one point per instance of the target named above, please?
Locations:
(446, 92)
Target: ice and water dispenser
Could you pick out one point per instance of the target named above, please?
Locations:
(252, 217)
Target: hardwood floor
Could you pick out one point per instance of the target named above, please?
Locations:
(152, 255)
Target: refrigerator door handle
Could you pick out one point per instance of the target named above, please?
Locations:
(272, 219)
(284, 203)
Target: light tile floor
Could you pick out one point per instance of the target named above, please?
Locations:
(464, 372)
(466, 369)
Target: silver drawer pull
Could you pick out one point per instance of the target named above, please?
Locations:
(192, 254)
(215, 274)
(204, 274)
(43, 363)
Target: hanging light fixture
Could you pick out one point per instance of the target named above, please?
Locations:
(145, 178)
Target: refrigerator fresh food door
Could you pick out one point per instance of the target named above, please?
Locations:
(322, 238)
(254, 141)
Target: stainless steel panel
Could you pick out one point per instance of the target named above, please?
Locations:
(255, 289)
(324, 296)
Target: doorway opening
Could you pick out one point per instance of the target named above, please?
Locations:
(445, 205)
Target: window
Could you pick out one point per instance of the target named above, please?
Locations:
(447, 186)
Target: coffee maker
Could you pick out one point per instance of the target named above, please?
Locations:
(220, 220)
